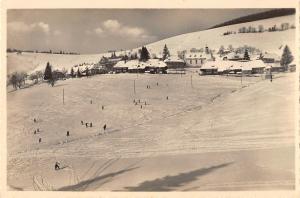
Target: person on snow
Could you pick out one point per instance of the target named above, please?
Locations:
(57, 166)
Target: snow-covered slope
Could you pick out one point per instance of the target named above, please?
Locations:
(213, 38)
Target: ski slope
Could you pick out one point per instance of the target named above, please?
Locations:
(249, 126)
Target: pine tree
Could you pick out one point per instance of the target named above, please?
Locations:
(144, 54)
(166, 52)
(78, 73)
(286, 57)
(72, 72)
(48, 75)
(48, 72)
(246, 55)
(87, 72)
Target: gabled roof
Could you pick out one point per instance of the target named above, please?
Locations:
(271, 56)
(173, 59)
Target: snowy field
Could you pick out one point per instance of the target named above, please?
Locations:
(194, 133)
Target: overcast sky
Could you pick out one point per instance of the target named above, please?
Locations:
(100, 30)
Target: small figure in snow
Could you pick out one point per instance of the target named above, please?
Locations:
(141, 106)
(68, 133)
(104, 127)
(91, 102)
(40, 140)
(167, 97)
(157, 84)
(34, 132)
(57, 166)
(91, 124)
(82, 122)
(133, 100)
(34, 120)
(271, 77)
(135, 103)
(38, 130)
(102, 107)
(86, 125)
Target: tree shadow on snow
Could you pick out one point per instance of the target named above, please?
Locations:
(168, 183)
(82, 185)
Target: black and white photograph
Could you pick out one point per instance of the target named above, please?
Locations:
(151, 99)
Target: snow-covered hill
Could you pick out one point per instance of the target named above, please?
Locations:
(213, 38)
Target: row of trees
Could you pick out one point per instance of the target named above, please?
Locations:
(12, 50)
(260, 28)
(17, 79)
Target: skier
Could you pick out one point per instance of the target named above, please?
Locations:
(81, 122)
(91, 124)
(56, 166)
(34, 120)
(102, 107)
(86, 125)
(104, 127)
(68, 133)
(40, 140)
(271, 77)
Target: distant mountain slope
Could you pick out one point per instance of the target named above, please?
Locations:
(214, 38)
(258, 16)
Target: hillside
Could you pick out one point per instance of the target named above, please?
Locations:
(213, 38)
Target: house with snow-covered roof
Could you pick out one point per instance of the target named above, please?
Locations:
(196, 59)
(225, 67)
(270, 57)
(174, 62)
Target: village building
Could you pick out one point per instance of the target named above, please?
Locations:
(136, 66)
(197, 57)
(233, 67)
(109, 62)
(233, 56)
(156, 66)
(174, 62)
(292, 66)
(270, 58)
